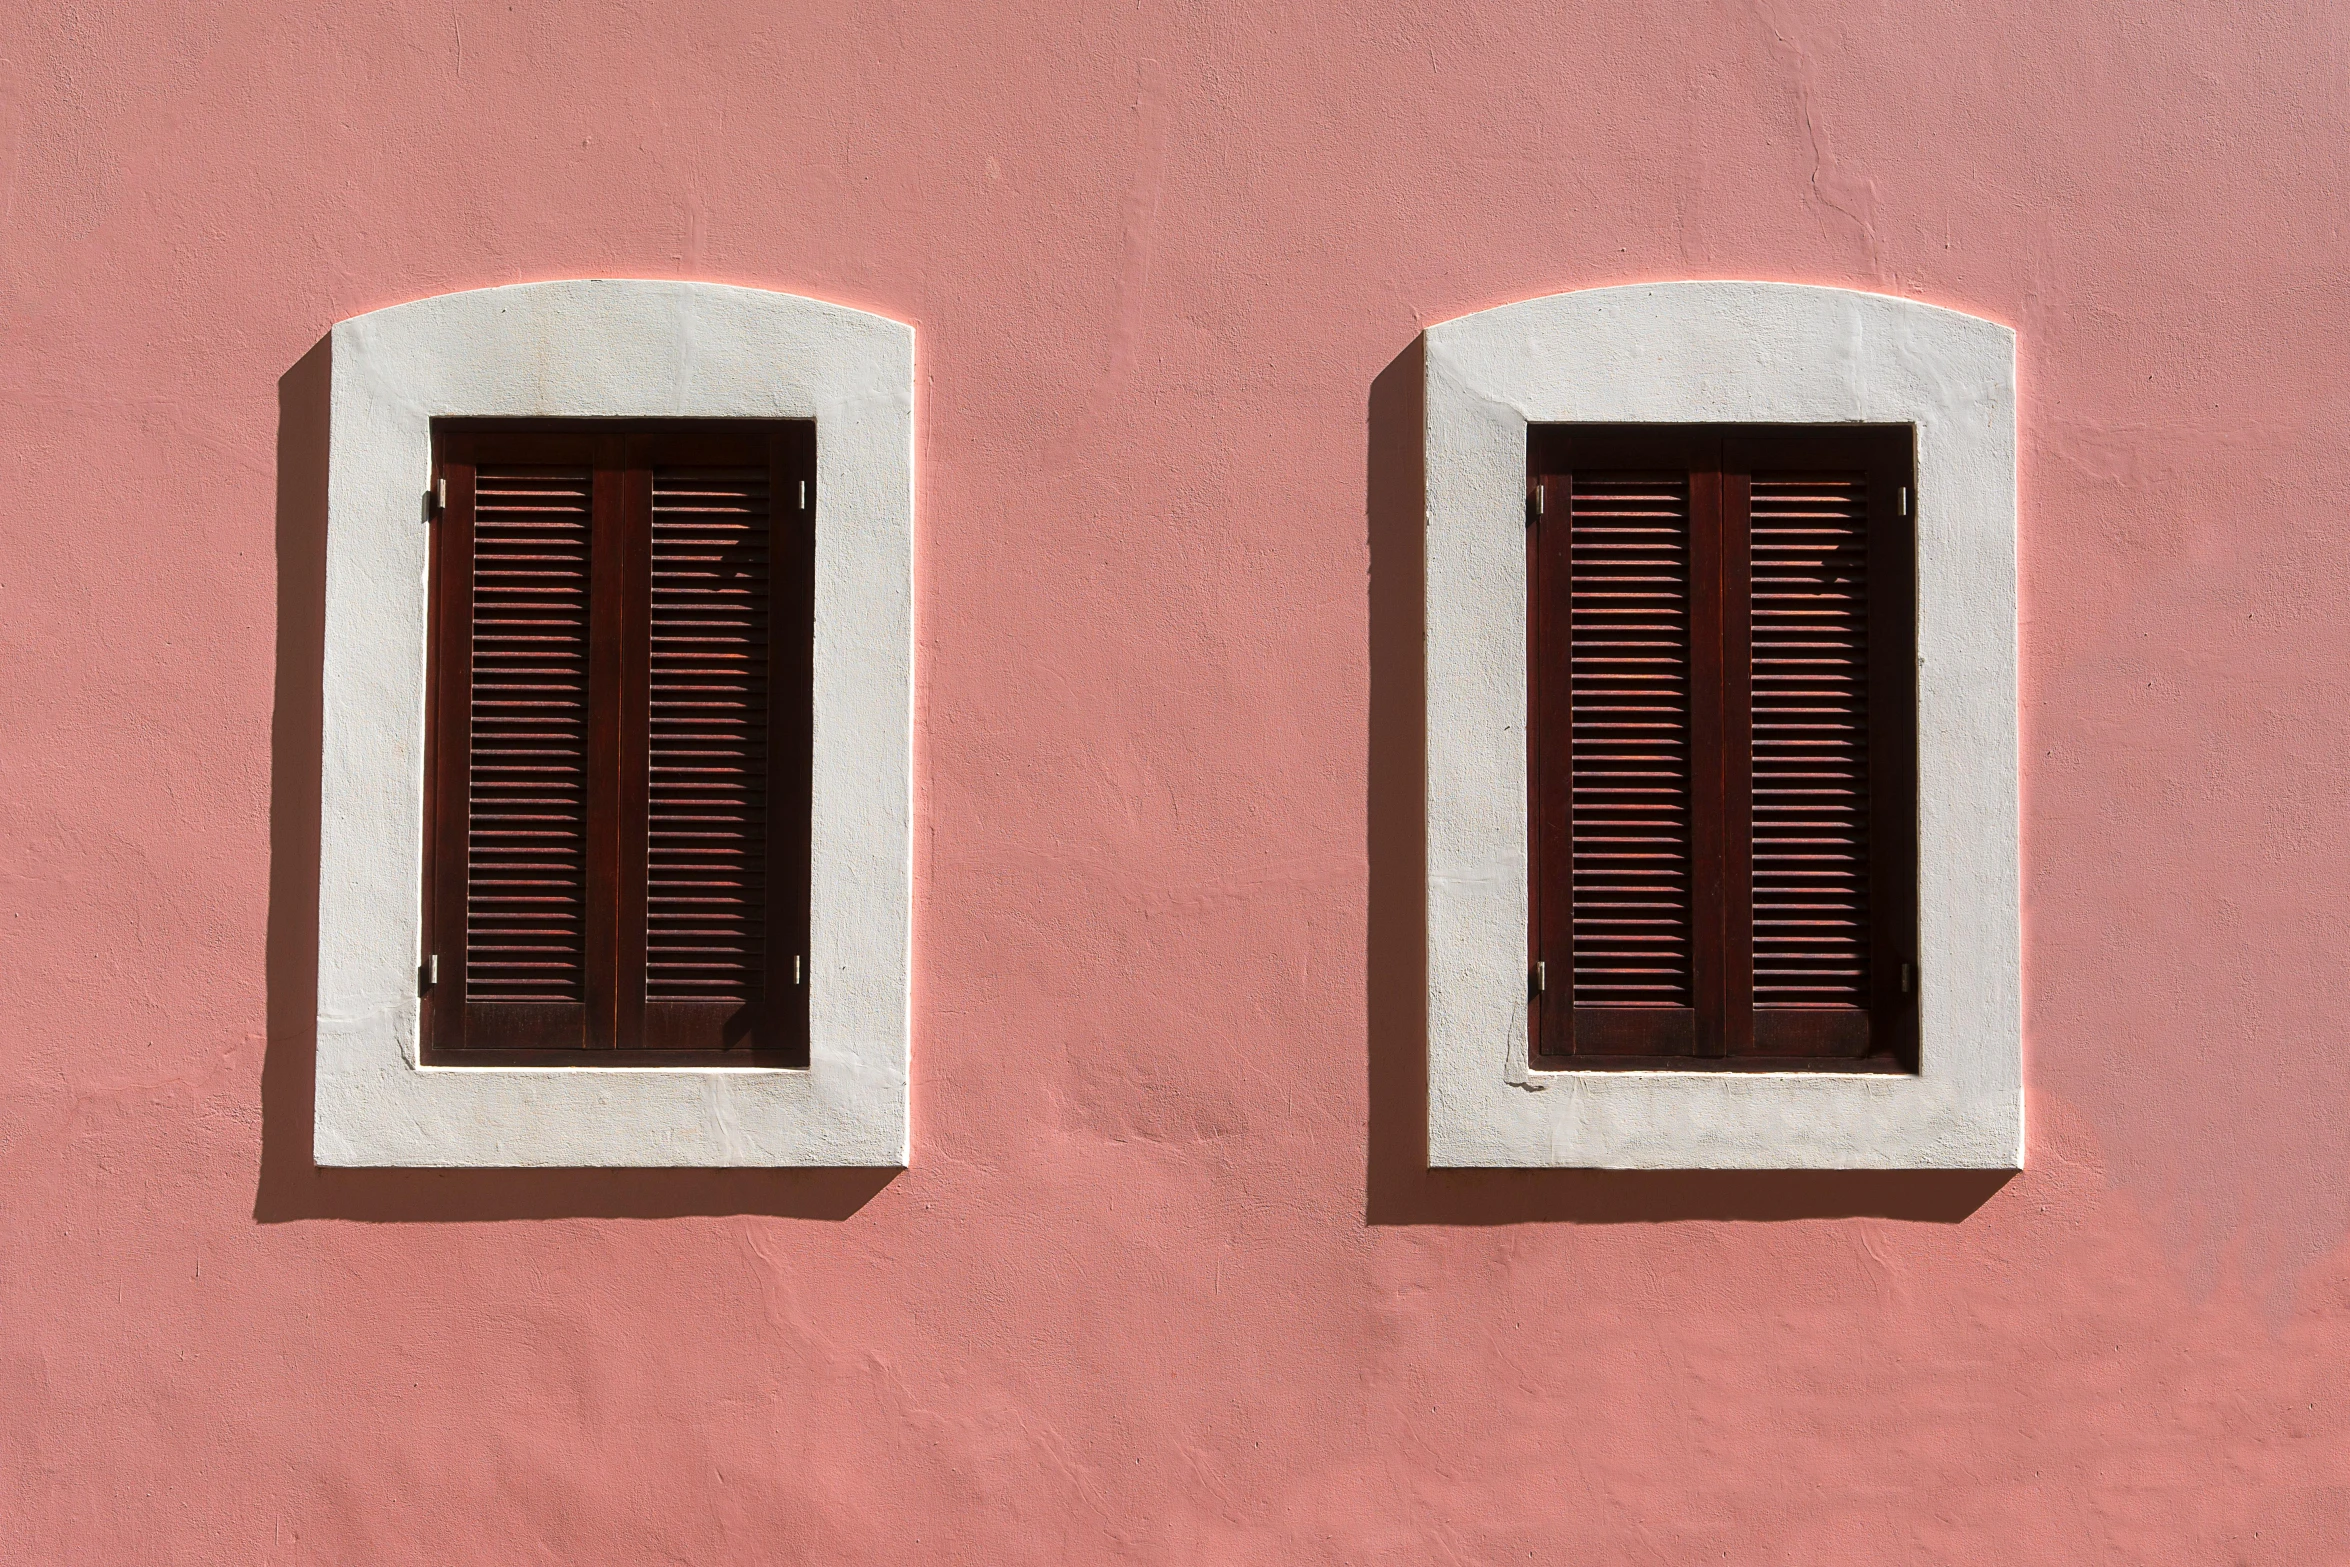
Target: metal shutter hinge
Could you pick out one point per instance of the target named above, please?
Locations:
(803, 495)
(1905, 500)
(796, 976)
(1908, 978)
(1541, 978)
(436, 499)
(431, 974)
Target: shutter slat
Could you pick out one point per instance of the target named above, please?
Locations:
(706, 848)
(1811, 764)
(1629, 586)
(526, 838)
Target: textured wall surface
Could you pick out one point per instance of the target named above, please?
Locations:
(1165, 1283)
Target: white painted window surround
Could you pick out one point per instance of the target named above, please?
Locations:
(1722, 353)
(599, 349)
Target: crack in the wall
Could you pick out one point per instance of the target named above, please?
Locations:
(1516, 1069)
(1141, 214)
(1851, 197)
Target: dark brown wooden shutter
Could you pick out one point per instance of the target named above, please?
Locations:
(621, 689)
(526, 844)
(512, 748)
(1722, 744)
(1833, 794)
(706, 897)
(1811, 763)
(1628, 759)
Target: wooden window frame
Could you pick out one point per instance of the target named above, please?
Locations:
(1719, 1030)
(622, 1028)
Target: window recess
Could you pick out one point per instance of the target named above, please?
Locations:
(1723, 774)
(619, 743)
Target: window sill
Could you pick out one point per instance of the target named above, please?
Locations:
(611, 1061)
(1810, 1066)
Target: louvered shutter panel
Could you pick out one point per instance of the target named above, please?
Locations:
(514, 753)
(1832, 847)
(1614, 687)
(1811, 779)
(706, 858)
(1628, 655)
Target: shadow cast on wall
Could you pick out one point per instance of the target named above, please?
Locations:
(291, 1187)
(1399, 1186)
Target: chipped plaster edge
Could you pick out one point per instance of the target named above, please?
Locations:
(607, 349)
(1722, 352)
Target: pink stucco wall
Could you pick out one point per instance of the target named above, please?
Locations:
(1164, 1283)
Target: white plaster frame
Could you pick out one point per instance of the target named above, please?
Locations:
(599, 349)
(1722, 353)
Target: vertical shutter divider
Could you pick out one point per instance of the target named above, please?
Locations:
(633, 710)
(1892, 741)
(791, 623)
(1708, 814)
(607, 680)
(452, 754)
(1736, 988)
(1550, 695)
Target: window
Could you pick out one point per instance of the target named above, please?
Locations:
(1737, 999)
(1720, 708)
(619, 745)
(641, 959)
